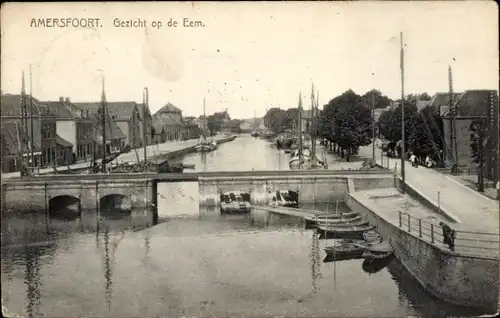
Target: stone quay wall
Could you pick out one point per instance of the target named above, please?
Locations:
(455, 278)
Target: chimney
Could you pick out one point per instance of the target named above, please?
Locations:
(67, 100)
(61, 99)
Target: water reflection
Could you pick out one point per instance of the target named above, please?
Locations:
(375, 266)
(411, 292)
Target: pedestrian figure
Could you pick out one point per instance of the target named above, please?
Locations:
(428, 162)
(448, 235)
(498, 190)
(413, 159)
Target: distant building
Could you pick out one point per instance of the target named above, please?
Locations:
(470, 105)
(168, 124)
(248, 125)
(16, 133)
(75, 129)
(116, 139)
(193, 127)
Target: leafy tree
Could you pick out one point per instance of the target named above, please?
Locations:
(347, 122)
(425, 138)
(381, 101)
(390, 122)
(275, 119)
(478, 139)
(424, 96)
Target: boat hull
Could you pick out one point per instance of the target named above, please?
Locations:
(235, 208)
(342, 232)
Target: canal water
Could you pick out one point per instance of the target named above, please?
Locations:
(196, 262)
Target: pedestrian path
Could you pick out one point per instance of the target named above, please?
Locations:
(395, 208)
(475, 211)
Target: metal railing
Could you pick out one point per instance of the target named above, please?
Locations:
(472, 242)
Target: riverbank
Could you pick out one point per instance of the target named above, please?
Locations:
(168, 150)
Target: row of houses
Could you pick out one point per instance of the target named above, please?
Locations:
(66, 132)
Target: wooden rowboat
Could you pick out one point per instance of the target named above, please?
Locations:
(377, 251)
(333, 222)
(330, 216)
(342, 232)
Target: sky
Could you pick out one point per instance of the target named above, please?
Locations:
(249, 57)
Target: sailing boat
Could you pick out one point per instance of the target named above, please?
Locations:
(204, 145)
(303, 158)
(255, 133)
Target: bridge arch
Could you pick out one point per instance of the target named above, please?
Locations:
(65, 206)
(115, 206)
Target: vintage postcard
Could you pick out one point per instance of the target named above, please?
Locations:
(250, 159)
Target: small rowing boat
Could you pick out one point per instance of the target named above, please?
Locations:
(345, 247)
(377, 251)
(342, 232)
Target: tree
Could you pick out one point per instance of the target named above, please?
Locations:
(275, 120)
(424, 96)
(347, 122)
(381, 101)
(425, 138)
(390, 122)
(478, 139)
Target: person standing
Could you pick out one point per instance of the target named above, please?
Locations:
(412, 159)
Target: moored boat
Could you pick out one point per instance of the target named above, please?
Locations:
(377, 251)
(342, 232)
(235, 202)
(285, 198)
(344, 247)
(372, 236)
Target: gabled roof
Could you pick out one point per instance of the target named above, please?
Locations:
(443, 99)
(474, 102)
(112, 130)
(168, 119)
(119, 111)
(169, 108)
(10, 105)
(65, 109)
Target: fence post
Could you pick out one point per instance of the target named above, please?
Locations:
(400, 220)
(439, 202)
(420, 227)
(409, 226)
(432, 233)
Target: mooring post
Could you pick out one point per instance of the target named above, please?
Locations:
(400, 220)
(420, 227)
(432, 233)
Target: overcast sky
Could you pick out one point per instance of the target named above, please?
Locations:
(250, 56)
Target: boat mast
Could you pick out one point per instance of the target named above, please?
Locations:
(145, 103)
(204, 120)
(31, 120)
(103, 105)
(313, 126)
(300, 124)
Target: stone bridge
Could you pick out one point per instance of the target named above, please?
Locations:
(140, 189)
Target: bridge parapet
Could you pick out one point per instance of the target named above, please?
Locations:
(36, 195)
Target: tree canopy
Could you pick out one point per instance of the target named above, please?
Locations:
(347, 122)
